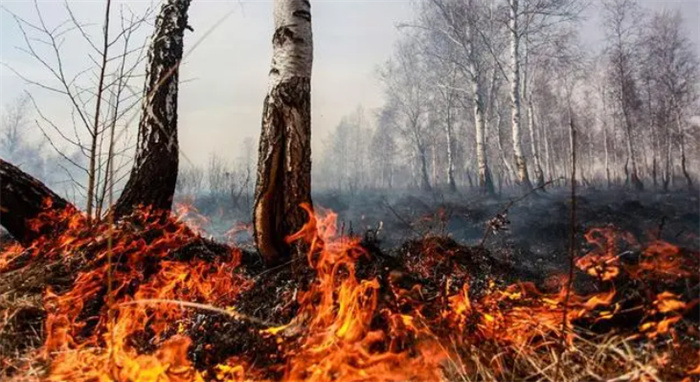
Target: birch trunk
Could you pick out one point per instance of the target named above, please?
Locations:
(655, 155)
(484, 174)
(668, 168)
(633, 175)
(681, 143)
(539, 175)
(450, 160)
(284, 157)
(499, 141)
(424, 179)
(605, 143)
(433, 166)
(520, 162)
(606, 154)
(153, 177)
(547, 156)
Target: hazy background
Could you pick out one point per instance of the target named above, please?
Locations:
(224, 79)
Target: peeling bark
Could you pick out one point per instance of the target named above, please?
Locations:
(153, 177)
(22, 198)
(284, 157)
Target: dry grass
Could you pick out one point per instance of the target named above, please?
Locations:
(609, 357)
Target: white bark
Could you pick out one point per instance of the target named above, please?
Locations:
(294, 59)
(450, 159)
(539, 176)
(509, 169)
(485, 183)
(681, 143)
(520, 163)
(547, 158)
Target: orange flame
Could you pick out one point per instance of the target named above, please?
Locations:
(346, 328)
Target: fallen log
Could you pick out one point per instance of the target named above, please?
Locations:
(23, 198)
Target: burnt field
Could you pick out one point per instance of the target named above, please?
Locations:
(535, 228)
(415, 297)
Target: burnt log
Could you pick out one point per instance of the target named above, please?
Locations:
(23, 198)
(153, 176)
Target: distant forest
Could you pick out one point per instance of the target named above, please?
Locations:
(474, 100)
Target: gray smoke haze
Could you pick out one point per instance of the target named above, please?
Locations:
(224, 79)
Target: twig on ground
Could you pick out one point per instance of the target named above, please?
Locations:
(499, 218)
(230, 313)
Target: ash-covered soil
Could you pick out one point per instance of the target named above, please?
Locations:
(536, 235)
(535, 230)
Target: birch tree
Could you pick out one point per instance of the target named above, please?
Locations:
(455, 38)
(514, 31)
(406, 87)
(673, 68)
(154, 174)
(530, 21)
(284, 157)
(620, 18)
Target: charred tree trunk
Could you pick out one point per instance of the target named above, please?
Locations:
(23, 198)
(681, 144)
(153, 177)
(284, 157)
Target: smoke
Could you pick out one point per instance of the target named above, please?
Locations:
(22, 144)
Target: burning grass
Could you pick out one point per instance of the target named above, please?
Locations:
(151, 300)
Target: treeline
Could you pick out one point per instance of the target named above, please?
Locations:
(486, 95)
(221, 185)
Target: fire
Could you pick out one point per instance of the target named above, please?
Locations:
(128, 313)
(87, 344)
(340, 308)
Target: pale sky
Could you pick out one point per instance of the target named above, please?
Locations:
(226, 75)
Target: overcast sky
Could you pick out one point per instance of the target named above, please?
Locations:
(225, 77)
